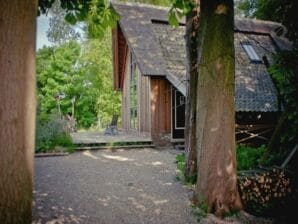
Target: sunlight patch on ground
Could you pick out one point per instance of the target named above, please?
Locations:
(104, 201)
(154, 200)
(118, 158)
(137, 204)
(160, 202)
(167, 184)
(157, 163)
(88, 153)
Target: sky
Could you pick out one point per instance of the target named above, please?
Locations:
(41, 34)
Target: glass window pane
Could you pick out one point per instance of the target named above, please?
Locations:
(251, 53)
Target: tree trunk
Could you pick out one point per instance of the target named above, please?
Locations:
(192, 28)
(274, 142)
(215, 134)
(17, 109)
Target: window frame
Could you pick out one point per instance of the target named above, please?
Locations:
(251, 52)
(133, 107)
(176, 105)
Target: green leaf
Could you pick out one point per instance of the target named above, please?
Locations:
(173, 18)
(70, 17)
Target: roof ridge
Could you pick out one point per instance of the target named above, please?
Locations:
(240, 18)
(139, 4)
(257, 20)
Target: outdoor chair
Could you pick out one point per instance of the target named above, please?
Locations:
(112, 129)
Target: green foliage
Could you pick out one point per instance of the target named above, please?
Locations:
(248, 158)
(82, 72)
(180, 160)
(60, 31)
(59, 74)
(100, 17)
(283, 11)
(233, 213)
(179, 9)
(97, 60)
(50, 133)
(98, 14)
(200, 211)
(285, 74)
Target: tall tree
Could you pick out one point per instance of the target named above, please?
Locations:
(215, 134)
(213, 93)
(59, 72)
(192, 29)
(17, 109)
(96, 63)
(17, 94)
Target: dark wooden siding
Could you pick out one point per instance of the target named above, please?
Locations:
(160, 106)
(120, 52)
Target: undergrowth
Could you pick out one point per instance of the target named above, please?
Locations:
(249, 158)
(51, 135)
(180, 174)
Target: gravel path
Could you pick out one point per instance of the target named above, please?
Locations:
(110, 187)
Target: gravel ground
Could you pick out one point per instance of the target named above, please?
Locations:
(110, 187)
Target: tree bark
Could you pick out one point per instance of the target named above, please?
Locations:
(215, 133)
(17, 109)
(192, 28)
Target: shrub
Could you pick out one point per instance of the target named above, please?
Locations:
(248, 157)
(51, 133)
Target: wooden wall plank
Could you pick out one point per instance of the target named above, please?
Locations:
(144, 103)
(160, 106)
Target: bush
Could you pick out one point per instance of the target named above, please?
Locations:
(51, 133)
(248, 158)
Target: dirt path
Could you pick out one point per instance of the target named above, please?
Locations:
(110, 187)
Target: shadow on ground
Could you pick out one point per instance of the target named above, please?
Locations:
(119, 186)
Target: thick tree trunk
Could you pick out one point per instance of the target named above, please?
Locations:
(192, 28)
(217, 178)
(17, 109)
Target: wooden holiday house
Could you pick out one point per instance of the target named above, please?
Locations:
(149, 62)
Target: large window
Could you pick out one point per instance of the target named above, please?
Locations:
(133, 94)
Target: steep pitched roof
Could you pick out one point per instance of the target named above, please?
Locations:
(160, 50)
